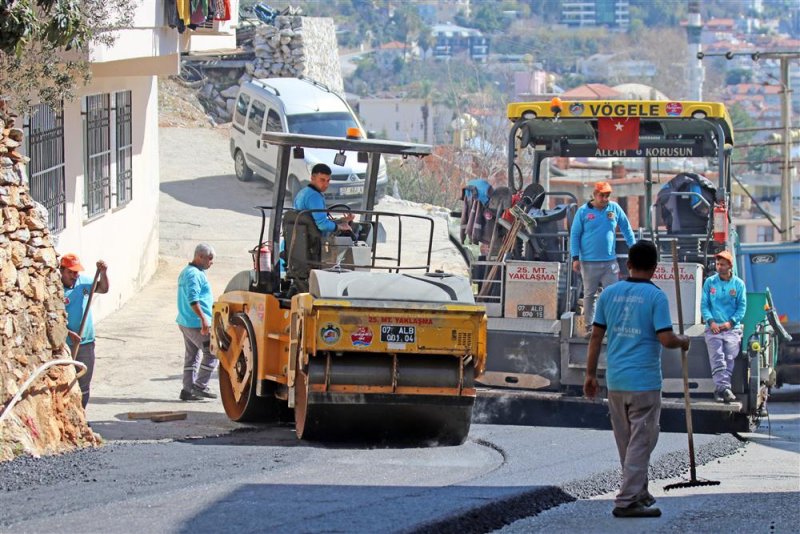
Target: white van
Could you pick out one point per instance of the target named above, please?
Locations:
(302, 106)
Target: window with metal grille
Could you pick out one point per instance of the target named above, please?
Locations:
(45, 146)
(124, 144)
(97, 126)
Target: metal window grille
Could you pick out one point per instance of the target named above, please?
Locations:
(45, 147)
(124, 144)
(97, 185)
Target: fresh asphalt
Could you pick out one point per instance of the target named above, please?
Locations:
(206, 474)
(263, 479)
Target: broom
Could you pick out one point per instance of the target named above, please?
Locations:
(693, 481)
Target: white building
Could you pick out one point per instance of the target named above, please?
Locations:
(94, 163)
(405, 119)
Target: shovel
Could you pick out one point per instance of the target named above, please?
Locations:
(693, 481)
(76, 345)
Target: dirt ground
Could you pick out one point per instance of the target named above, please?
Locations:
(179, 106)
(139, 347)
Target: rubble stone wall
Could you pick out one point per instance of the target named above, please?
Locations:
(49, 418)
(298, 46)
(294, 46)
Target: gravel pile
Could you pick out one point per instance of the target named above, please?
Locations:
(28, 472)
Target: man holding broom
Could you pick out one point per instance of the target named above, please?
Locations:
(77, 288)
(635, 312)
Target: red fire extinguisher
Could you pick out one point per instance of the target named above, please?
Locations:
(264, 260)
(720, 222)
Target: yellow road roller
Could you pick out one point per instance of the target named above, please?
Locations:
(345, 331)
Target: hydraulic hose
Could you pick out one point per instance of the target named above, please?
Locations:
(34, 376)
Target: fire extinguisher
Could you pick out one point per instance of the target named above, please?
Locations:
(720, 223)
(264, 260)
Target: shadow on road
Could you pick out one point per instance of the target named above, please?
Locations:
(197, 423)
(373, 508)
(222, 192)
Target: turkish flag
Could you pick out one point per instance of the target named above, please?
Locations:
(618, 133)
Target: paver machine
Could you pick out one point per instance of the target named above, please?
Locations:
(537, 350)
(349, 332)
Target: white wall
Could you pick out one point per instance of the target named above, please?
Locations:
(149, 36)
(125, 237)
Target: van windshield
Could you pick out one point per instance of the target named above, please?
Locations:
(327, 124)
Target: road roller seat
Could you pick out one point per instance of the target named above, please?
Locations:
(303, 246)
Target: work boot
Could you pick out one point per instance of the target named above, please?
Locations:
(636, 509)
(203, 392)
(189, 396)
(647, 501)
(728, 396)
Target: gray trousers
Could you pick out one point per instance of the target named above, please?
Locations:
(195, 344)
(86, 356)
(722, 351)
(595, 273)
(634, 418)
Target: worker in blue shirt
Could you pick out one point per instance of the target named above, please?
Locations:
(593, 244)
(195, 301)
(722, 307)
(635, 314)
(77, 288)
(311, 198)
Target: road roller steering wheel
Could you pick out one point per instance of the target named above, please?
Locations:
(347, 211)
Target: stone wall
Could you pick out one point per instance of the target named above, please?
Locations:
(298, 46)
(294, 46)
(49, 418)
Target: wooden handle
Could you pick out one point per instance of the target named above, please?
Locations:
(684, 363)
(76, 346)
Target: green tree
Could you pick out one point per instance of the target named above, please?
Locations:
(36, 34)
(740, 75)
(658, 13)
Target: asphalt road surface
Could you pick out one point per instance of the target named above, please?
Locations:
(265, 480)
(207, 474)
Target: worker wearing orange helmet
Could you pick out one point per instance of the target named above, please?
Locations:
(722, 306)
(593, 243)
(77, 288)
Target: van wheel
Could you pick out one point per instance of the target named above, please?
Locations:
(243, 172)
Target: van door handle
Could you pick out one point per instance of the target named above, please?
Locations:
(258, 143)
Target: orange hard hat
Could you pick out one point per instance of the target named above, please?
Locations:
(602, 187)
(72, 262)
(725, 255)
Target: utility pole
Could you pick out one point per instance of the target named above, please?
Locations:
(694, 28)
(787, 218)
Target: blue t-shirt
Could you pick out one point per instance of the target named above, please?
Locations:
(193, 287)
(75, 300)
(723, 301)
(309, 198)
(633, 312)
(593, 233)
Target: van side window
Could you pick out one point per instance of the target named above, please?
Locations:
(256, 117)
(273, 122)
(241, 109)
